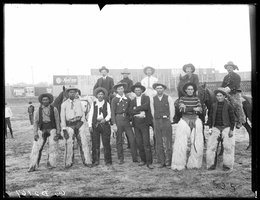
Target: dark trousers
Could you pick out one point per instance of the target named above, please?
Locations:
(105, 132)
(163, 134)
(143, 140)
(31, 118)
(8, 124)
(123, 124)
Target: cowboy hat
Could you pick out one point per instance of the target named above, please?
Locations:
(125, 71)
(159, 84)
(100, 89)
(148, 67)
(188, 65)
(119, 84)
(220, 91)
(188, 84)
(230, 63)
(72, 88)
(138, 85)
(103, 68)
(45, 95)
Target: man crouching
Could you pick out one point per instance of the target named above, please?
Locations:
(46, 127)
(73, 125)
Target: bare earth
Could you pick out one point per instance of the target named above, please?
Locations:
(127, 180)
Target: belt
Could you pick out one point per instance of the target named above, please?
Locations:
(121, 114)
(163, 117)
(72, 123)
(78, 118)
(138, 117)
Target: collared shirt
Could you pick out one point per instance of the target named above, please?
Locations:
(70, 110)
(148, 83)
(138, 103)
(119, 105)
(8, 112)
(171, 105)
(46, 117)
(99, 115)
(104, 77)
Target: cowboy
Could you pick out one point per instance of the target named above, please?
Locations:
(98, 121)
(73, 124)
(148, 81)
(188, 145)
(221, 124)
(121, 122)
(105, 81)
(31, 111)
(46, 127)
(8, 115)
(127, 80)
(231, 85)
(189, 77)
(141, 113)
(162, 109)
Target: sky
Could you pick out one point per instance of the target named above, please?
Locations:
(42, 40)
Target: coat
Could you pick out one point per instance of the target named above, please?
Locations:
(232, 80)
(108, 86)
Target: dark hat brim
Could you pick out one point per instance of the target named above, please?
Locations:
(104, 68)
(100, 89)
(153, 70)
(159, 84)
(118, 85)
(50, 96)
(232, 65)
(188, 65)
(138, 86)
(187, 85)
(220, 91)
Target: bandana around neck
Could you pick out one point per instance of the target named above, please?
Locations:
(121, 97)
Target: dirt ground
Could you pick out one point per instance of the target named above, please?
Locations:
(127, 180)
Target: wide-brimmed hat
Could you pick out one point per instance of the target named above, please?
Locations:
(119, 84)
(50, 96)
(187, 85)
(103, 68)
(230, 63)
(72, 88)
(138, 85)
(100, 89)
(125, 71)
(220, 91)
(188, 65)
(148, 67)
(159, 84)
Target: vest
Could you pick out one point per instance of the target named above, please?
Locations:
(161, 108)
(52, 118)
(103, 110)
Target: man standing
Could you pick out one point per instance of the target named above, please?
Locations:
(121, 122)
(231, 85)
(141, 113)
(8, 115)
(46, 127)
(162, 108)
(148, 81)
(105, 81)
(31, 111)
(73, 125)
(127, 80)
(98, 121)
(221, 124)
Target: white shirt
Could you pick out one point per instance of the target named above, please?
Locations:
(8, 112)
(148, 83)
(99, 116)
(138, 103)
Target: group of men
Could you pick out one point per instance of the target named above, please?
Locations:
(149, 106)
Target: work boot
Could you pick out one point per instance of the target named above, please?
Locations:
(31, 169)
(150, 166)
(161, 166)
(142, 163)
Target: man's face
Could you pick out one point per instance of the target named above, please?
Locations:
(45, 101)
(125, 75)
(159, 89)
(220, 97)
(72, 94)
(149, 71)
(189, 90)
(138, 91)
(120, 90)
(188, 70)
(100, 96)
(103, 72)
(230, 69)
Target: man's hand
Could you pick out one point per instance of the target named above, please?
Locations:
(197, 109)
(114, 127)
(103, 121)
(230, 134)
(36, 137)
(66, 134)
(210, 131)
(90, 129)
(56, 137)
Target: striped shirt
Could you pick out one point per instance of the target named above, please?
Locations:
(219, 120)
(190, 103)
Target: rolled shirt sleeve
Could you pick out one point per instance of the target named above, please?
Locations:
(152, 106)
(108, 117)
(172, 108)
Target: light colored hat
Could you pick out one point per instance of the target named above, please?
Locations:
(159, 84)
(230, 63)
(188, 65)
(71, 88)
(148, 67)
(125, 71)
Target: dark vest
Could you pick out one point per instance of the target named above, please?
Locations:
(225, 114)
(52, 118)
(103, 110)
(162, 107)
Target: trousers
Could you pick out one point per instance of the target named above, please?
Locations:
(31, 118)
(8, 124)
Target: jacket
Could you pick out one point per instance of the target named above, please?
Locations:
(108, 86)
(232, 80)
